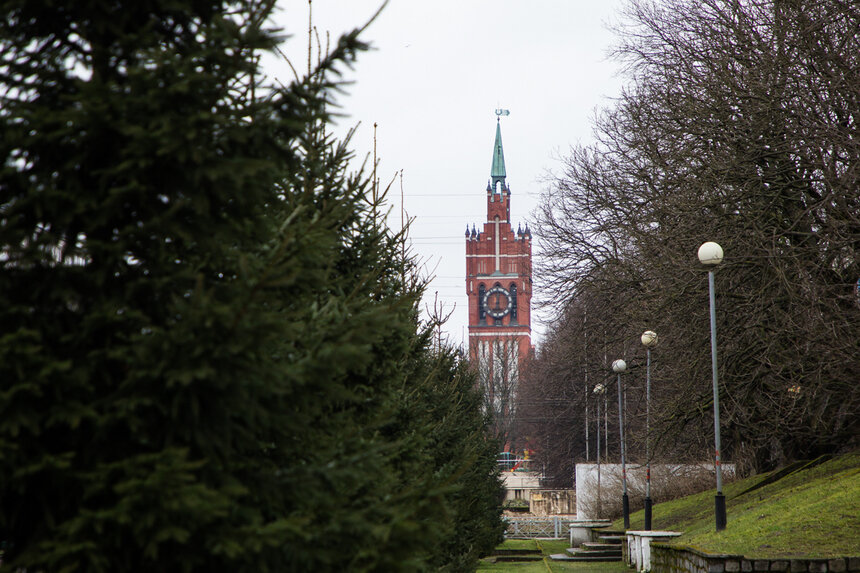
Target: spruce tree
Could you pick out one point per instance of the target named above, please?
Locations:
(462, 455)
(210, 355)
(140, 392)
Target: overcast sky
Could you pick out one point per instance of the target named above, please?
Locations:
(438, 72)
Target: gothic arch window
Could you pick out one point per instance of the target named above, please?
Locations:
(513, 302)
(482, 316)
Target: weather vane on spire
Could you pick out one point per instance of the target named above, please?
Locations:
(500, 112)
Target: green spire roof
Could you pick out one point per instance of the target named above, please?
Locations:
(497, 172)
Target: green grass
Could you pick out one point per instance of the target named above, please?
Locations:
(813, 512)
(547, 565)
(519, 544)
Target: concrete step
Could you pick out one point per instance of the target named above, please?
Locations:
(563, 557)
(611, 549)
(614, 539)
(516, 555)
(516, 552)
(580, 553)
(600, 546)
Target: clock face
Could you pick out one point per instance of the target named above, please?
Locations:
(497, 302)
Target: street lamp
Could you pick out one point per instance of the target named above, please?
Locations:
(587, 439)
(599, 389)
(618, 367)
(711, 253)
(649, 339)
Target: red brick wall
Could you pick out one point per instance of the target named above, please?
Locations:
(498, 256)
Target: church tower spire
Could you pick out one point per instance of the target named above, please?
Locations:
(497, 171)
(499, 290)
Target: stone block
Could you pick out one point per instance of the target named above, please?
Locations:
(799, 566)
(817, 566)
(746, 566)
(716, 566)
(761, 565)
(779, 565)
(732, 566)
(837, 565)
(854, 563)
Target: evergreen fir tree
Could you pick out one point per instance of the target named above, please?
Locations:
(461, 454)
(209, 356)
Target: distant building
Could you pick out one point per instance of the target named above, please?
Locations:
(499, 289)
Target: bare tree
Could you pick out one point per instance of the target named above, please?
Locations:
(498, 372)
(739, 125)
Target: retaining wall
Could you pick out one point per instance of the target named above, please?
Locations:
(669, 559)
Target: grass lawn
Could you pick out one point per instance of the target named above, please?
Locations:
(812, 512)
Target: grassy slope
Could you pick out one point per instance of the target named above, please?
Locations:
(813, 512)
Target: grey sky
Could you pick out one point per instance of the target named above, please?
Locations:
(438, 72)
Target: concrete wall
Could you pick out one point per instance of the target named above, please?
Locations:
(598, 495)
(552, 502)
(519, 485)
(666, 559)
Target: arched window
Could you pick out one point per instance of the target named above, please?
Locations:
(513, 302)
(482, 316)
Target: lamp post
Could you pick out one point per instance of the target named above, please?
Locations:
(587, 439)
(711, 254)
(618, 367)
(605, 425)
(599, 389)
(649, 339)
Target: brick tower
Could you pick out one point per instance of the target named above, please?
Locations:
(499, 287)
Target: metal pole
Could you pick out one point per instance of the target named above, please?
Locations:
(719, 499)
(598, 431)
(625, 502)
(599, 507)
(587, 439)
(648, 440)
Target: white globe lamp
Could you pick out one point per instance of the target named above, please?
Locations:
(649, 338)
(710, 253)
(618, 367)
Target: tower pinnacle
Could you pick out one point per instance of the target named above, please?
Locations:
(497, 171)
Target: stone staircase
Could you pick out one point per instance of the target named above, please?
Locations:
(515, 555)
(607, 548)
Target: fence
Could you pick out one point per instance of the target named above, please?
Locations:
(536, 527)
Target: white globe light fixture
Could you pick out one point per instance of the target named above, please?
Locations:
(649, 338)
(599, 389)
(619, 366)
(711, 254)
